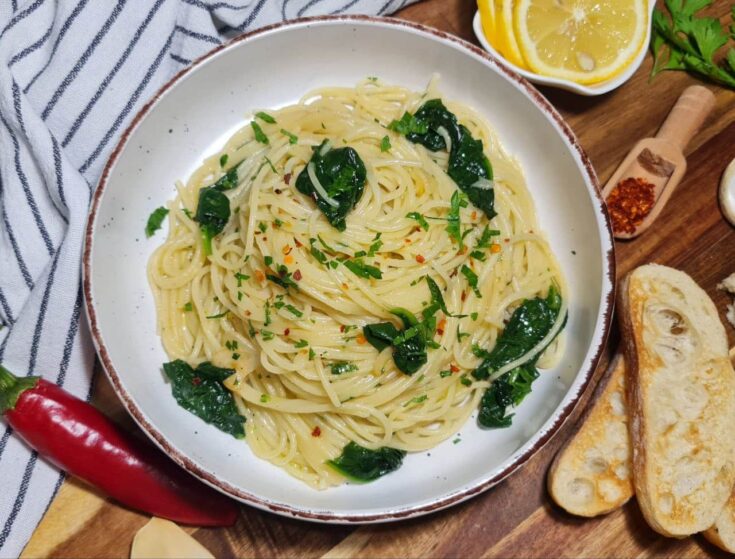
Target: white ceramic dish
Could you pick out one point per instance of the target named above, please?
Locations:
(201, 107)
(587, 90)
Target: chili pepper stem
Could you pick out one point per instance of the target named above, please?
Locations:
(11, 387)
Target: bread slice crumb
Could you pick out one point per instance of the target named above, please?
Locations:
(728, 284)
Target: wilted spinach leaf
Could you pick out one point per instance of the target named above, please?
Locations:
(213, 208)
(361, 464)
(380, 335)
(341, 174)
(528, 325)
(468, 167)
(201, 392)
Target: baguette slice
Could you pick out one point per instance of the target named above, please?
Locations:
(722, 532)
(592, 474)
(681, 398)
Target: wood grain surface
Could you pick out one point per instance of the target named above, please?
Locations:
(516, 518)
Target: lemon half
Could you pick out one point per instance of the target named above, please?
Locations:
(585, 41)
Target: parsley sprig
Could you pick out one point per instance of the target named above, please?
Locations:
(685, 41)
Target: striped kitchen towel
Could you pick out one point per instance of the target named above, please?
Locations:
(73, 73)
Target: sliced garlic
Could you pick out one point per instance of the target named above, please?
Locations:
(162, 539)
(727, 193)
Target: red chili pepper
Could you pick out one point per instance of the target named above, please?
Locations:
(76, 437)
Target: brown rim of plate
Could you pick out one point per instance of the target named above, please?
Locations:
(397, 514)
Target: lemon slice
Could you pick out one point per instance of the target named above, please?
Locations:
(585, 41)
(505, 32)
(497, 26)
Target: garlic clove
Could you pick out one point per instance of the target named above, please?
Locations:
(727, 193)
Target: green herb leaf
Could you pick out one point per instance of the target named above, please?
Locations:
(409, 124)
(200, 391)
(292, 138)
(361, 465)
(220, 315)
(486, 237)
(259, 134)
(223, 159)
(385, 144)
(188, 307)
(316, 253)
(294, 311)
(360, 269)
(341, 174)
(265, 117)
(454, 225)
(267, 335)
(342, 367)
(416, 400)
(420, 218)
(301, 343)
(375, 247)
(155, 220)
(471, 279)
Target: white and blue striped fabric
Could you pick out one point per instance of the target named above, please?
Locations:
(72, 75)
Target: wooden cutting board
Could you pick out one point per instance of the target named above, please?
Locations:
(516, 518)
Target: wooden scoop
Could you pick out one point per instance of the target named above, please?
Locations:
(660, 160)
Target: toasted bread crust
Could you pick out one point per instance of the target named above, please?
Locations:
(592, 473)
(681, 398)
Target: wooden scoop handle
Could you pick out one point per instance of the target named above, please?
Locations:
(689, 113)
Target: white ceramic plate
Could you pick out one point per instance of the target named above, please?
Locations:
(198, 110)
(588, 90)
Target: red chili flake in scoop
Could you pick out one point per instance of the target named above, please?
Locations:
(316, 432)
(629, 203)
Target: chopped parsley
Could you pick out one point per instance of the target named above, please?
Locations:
(294, 311)
(188, 307)
(316, 253)
(220, 315)
(259, 134)
(292, 138)
(267, 334)
(265, 117)
(155, 220)
(385, 144)
(301, 343)
(420, 218)
(342, 367)
(454, 226)
(416, 400)
(471, 279)
(262, 226)
(265, 398)
(360, 269)
(241, 278)
(223, 159)
(445, 374)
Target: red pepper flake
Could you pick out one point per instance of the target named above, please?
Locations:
(196, 381)
(297, 275)
(287, 178)
(464, 296)
(474, 215)
(296, 241)
(277, 190)
(342, 328)
(420, 259)
(287, 331)
(286, 249)
(407, 241)
(316, 432)
(629, 203)
(454, 368)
